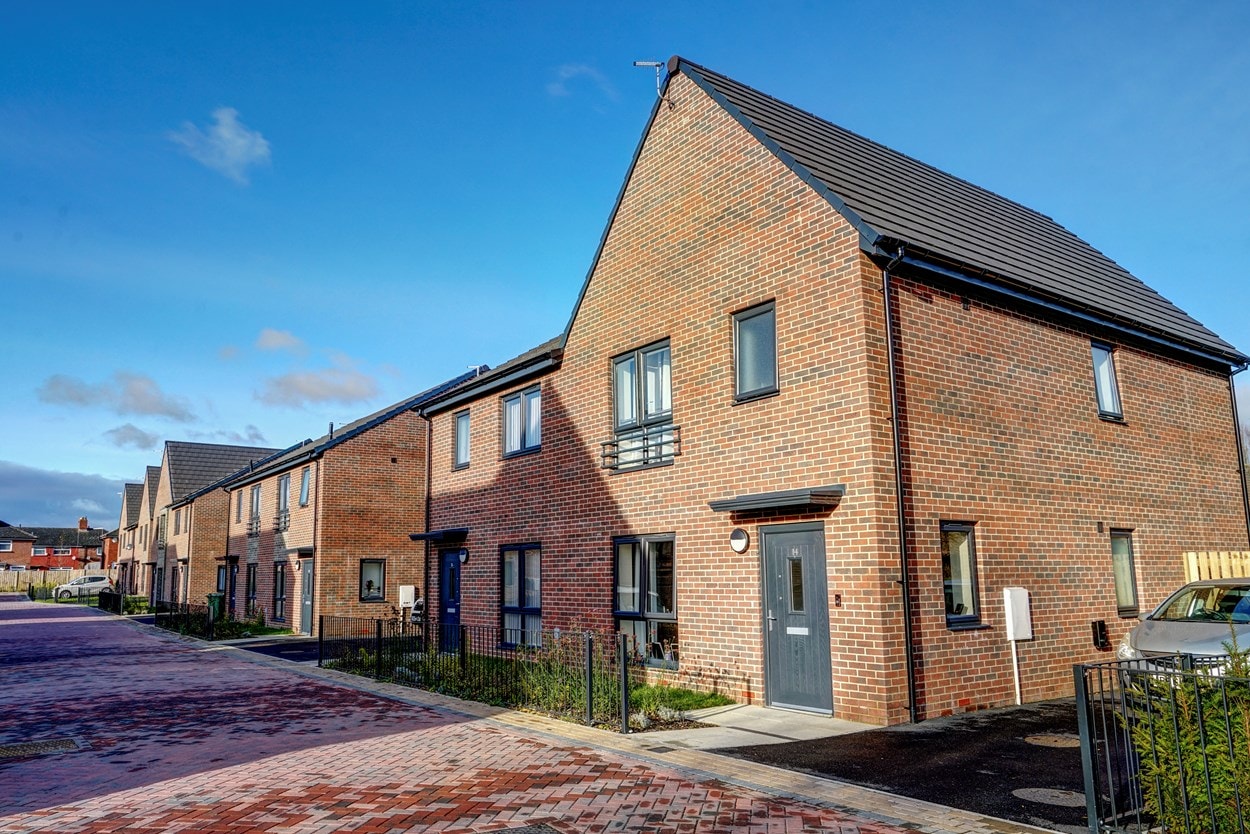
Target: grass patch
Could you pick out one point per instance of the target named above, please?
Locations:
(651, 698)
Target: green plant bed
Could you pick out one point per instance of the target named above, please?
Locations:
(135, 604)
(651, 699)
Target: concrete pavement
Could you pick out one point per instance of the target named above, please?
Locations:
(162, 733)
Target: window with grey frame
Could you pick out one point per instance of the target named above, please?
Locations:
(372, 580)
(959, 574)
(283, 520)
(305, 479)
(460, 457)
(251, 587)
(1125, 573)
(521, 595)
(522, 422)
(645, 598)
(279, 591)
(755, 352)
(1105, 383)
(642, 408)
(238, 506)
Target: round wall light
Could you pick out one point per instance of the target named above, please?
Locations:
(739, 541)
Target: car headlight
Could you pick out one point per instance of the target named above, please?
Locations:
(1125, 650)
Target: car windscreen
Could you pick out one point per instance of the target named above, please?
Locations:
(1208, 603)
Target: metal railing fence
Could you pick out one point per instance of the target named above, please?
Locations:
(583, 676)
(45, 593)
(1165, 744)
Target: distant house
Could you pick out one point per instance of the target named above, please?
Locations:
(16, 545)
(322, 528)
(190, 515)
(51, 548)
(818, 405)
(127, 537)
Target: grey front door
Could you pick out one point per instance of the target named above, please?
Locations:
(796, 618)
(306, 597)
(449, 601)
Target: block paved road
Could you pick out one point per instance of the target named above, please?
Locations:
(171, 734)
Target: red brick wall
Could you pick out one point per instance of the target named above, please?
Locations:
(1003, 429)
(372, 498)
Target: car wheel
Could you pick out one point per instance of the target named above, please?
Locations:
(64, 595)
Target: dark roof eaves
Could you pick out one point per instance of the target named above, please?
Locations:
(869, 237)
(502, 377)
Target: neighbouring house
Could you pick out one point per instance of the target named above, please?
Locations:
(110, 541)
(322, 527)
(128, 563)
(818, 405)
(190, 515)
(16, 545)
(140, 569)
(56, 548)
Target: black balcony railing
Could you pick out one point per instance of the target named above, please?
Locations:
(253, 526)
(638, 448)
(282, 521)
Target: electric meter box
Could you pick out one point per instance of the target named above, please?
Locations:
(1016, 608)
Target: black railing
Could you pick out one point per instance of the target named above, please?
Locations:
(646, 446)
(184, 618)
(1165, 744)
(573, 675)
(48, 593)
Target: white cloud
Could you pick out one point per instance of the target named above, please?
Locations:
(571, 72)
(128, 393)
(130, 435)
(270, 339)
(86, 505)
(329, 385)
(228, 147)
(228, 353)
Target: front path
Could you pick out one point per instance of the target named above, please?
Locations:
(174, 735)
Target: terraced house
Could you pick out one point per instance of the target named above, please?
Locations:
(322, 527)
(817, 406)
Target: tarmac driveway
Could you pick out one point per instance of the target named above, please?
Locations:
(1019, 763)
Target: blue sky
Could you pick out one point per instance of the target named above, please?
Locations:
(238, 222)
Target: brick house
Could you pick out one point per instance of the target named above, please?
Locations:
(51, 548)
(792, 344)
(322, 527)
(15, 546)
(191, 520)
(127, 577)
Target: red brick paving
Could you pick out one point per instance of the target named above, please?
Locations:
(186, 738)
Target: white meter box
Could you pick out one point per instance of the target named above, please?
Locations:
(1019, 619)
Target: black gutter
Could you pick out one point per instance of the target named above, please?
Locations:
(1241, 452)
(900, 494)
(1230, 361)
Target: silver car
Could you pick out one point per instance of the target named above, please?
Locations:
(1198, 620)
(82, 586)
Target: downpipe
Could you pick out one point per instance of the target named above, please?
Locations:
(895, 422)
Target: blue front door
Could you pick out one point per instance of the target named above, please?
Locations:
(449, 601)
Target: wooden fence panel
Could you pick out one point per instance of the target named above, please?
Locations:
(1216, 564)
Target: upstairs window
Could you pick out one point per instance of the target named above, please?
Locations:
(238, 506)
(284, 502)
(305, 478)
(755, 352)
(959, 574)
(642, 404)
(177, 522)
(522, 421)
(1105, 383)
(256, 501)
(6, 545)
(461, 457)
(1124, 572)
(34, 551)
